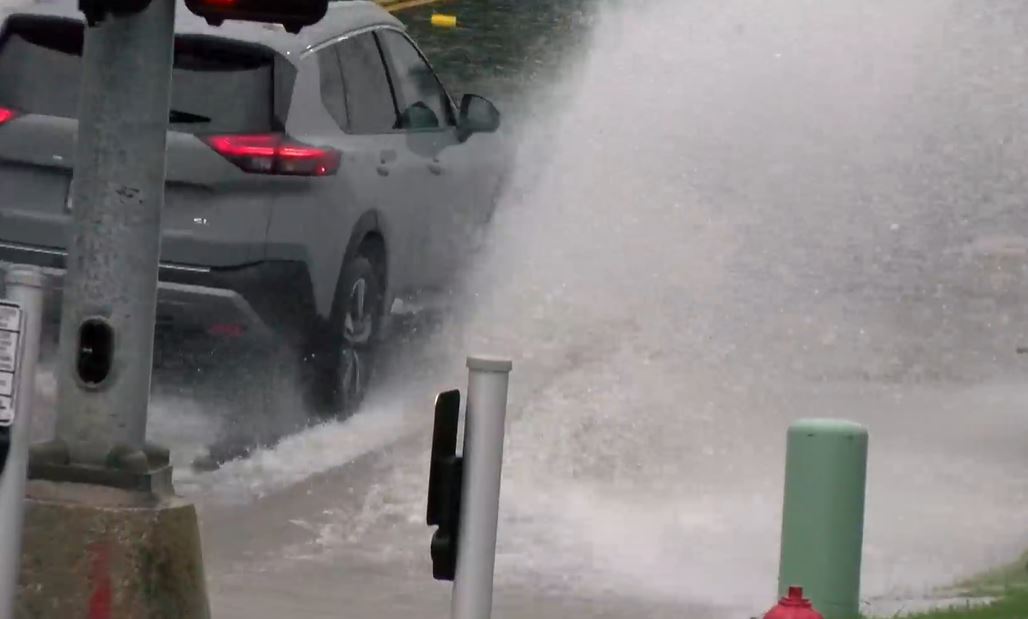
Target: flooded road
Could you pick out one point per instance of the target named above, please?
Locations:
(723, 216)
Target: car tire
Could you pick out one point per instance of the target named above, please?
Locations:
(344, 355)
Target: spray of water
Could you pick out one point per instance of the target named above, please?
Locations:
(726, 216)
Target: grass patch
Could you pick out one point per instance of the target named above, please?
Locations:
(1012, 604)
(1005, 580)
(1001, 593)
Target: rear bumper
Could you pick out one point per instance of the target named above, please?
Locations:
(267, 300)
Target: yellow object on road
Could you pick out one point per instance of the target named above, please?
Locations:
(395, 6)
(444, 21)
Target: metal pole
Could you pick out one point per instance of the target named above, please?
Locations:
(480, 491)
(107, 322)
(24, 287)
(823, 514)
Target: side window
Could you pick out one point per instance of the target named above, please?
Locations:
(369, 98)
(332, 85)
(420, 97)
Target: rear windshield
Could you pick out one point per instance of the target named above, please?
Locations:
(218, 85)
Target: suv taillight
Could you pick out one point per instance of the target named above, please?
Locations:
(6, 114)
(275, 154)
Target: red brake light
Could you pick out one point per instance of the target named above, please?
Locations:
(226, 330)
(275, 154)
(6, 114)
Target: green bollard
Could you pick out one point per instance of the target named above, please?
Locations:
(823, 514)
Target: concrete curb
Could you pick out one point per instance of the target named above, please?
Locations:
(100, 553)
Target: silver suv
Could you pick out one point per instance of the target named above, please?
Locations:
(312, 179)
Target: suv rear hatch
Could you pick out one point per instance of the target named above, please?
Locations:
(216, 213)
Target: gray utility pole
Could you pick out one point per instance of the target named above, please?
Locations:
(106, 352)
(110, 290)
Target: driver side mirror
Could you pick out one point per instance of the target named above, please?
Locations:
(477, 115)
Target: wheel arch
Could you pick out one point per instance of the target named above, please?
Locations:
(369, 239)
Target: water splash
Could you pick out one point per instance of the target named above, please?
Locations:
(726, 216)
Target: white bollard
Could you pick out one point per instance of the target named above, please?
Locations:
(486, 415)
(25, 289)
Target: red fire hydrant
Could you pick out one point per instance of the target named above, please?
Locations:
(793, 606)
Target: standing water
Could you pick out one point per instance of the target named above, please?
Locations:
(724, 216)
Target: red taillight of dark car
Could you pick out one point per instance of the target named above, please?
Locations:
(275, 154)
(7, 115)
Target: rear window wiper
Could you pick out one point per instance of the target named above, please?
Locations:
(180, 117)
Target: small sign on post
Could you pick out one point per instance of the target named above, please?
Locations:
(20, 322)
(10, 334)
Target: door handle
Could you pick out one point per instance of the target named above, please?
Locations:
(435, 168)
(383, 170)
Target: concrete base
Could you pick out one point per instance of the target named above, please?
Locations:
(102, 553)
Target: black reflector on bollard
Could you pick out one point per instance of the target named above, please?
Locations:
(444, 486)
(5, 447)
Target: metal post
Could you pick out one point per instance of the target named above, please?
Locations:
(823, 514)
(25, 288)
(480, 490)
(107, 322)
